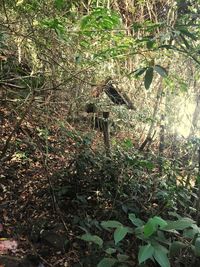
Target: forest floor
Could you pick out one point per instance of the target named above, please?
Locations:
(29, 212)
(54, 187)
(37, 227)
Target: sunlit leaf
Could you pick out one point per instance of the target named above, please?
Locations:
(100, 19)
(19, 2)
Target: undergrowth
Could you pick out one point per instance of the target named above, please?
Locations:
(116, 198)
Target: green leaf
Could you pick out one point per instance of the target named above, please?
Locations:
(148, 78)
(190, 233)
(176, 247)
(128, 143)
(180, 224)
(150, 44)
(136, 26)
(136, 221)
(120, 233)
(152, 225)
(110, 251)
(188, 33)
(159, 247)
(183, 86)
(160, 70)
(84, 22)
(145, 253)
(122, 257)
(110, 224)
(106, 262)
(59, 4)
(159, 221)
(174, 214)
(100, 19)
(138, 72)
(92, 238)
(147, 164)
(161, 257)
(197, 247)
(185, 41)
(150, 228)
(166, 46)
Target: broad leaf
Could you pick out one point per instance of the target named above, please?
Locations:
(110, 224)
(148, 78)
(152, 225)
(161, 257)
(120, 233)
(150, 228)
(110, 251)
(136, 221)
(92, 238)
(159, 221)
(145, 253)
(106, 262)
(160, 70)
(180, 224)
(190, 233)
(176, 247)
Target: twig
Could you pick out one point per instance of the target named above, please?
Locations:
(17, 125)
(36, 253)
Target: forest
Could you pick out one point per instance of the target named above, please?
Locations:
(99, 133)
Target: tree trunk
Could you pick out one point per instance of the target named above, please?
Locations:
(148, 139)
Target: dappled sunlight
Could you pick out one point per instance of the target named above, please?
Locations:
(185, 115)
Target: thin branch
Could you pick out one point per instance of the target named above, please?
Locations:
(17, 125)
